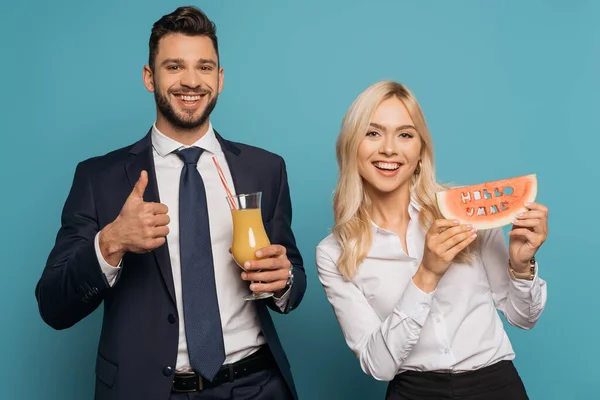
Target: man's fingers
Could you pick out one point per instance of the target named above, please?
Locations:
(155, 208)
(266, 263)
(140, 186)
(265, 276)
(156, 242)
(160, 231)
(268, 287)
(273, 250)
(161, 220)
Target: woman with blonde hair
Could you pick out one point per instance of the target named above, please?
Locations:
(417, 295)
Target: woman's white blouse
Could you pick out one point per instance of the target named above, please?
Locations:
(391, 325)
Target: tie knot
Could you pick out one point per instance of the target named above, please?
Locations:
(191, 155)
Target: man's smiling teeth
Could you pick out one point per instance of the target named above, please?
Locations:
(387, 166)
(189, 98)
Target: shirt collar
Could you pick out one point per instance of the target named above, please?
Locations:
(414, 207)
(164, 145)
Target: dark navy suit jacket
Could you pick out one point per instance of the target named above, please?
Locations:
(138, 344)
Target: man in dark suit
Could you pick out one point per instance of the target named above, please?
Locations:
(147, 229)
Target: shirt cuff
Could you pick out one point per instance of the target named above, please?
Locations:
(282, 301)
(109, 271)
(416, 303)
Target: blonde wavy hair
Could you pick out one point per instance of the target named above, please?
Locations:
(351, 203)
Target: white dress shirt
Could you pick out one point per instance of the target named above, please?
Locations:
(241, 328)
(391, 325)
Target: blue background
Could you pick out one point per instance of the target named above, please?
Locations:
(508, 88)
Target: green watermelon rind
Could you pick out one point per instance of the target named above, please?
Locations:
(497, 223)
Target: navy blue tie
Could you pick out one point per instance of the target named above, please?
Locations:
(200, 305)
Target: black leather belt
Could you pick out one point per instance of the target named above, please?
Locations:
(258, 361)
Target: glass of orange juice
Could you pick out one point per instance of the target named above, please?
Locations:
(249, 233)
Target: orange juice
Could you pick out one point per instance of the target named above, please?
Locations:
(248, 235)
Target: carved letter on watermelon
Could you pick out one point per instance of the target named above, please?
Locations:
(488, 205)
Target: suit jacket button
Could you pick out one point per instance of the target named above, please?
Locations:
(172, 318)
(167, 371)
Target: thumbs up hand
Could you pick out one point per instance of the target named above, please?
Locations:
(140, 227)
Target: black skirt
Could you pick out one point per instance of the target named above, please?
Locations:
(499, 381)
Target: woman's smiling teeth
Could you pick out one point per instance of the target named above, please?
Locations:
(386, 166)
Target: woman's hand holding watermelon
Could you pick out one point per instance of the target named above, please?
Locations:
(529, 232)
(444, 240)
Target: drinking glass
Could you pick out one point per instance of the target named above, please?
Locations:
(249, 233)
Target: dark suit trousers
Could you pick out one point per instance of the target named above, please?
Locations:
(499, 381)
(263, 385)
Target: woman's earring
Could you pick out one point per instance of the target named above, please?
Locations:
(418, 169)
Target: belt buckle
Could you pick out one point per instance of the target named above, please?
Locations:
(199, 387)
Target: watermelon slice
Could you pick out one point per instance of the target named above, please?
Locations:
(488, 205)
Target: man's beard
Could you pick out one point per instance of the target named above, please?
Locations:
(190, 123)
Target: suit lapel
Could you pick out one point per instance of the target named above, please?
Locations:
(142, 160)
(242, 181)
(245, 180)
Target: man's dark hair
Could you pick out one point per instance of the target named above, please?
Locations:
(187, 20)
